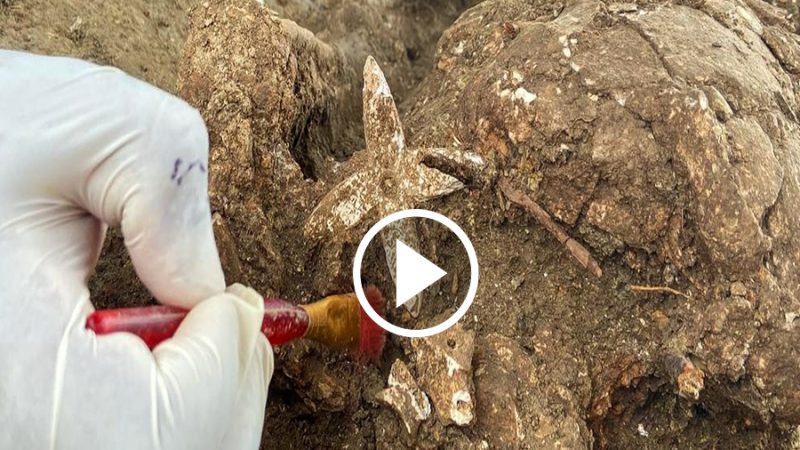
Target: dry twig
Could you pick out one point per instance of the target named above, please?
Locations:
(577, 250)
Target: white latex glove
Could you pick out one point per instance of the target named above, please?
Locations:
(82, 146)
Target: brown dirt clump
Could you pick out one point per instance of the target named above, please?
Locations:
(401, 33)
(141, 37)
(673, 159)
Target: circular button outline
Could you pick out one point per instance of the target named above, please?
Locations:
(473, 263)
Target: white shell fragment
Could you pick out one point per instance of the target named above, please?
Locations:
(444, 366)
(405, 397)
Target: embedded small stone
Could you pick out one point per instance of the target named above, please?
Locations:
(738, 289)
(622, 8)
(718, 104)
(689, 380)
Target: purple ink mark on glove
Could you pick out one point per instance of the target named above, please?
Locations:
(199, 164)
(179, 178)
(175, 169)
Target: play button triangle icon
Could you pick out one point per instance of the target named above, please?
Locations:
(414, 273)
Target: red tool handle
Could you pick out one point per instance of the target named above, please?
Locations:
(283, 322)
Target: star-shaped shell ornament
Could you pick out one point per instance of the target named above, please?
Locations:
(394, 180)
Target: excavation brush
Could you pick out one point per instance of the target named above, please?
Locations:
(337, 321)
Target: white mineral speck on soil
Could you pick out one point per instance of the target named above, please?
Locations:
(452, 366)
(523, 94)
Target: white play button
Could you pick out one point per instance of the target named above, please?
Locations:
(414, 273)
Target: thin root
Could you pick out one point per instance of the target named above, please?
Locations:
(661, 289)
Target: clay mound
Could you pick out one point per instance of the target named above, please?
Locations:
(660, 136)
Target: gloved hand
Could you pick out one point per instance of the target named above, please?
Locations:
(82, 146)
